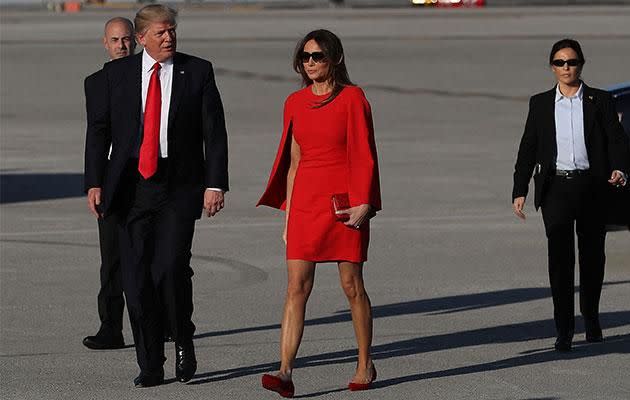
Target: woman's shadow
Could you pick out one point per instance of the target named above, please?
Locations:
(509, 333)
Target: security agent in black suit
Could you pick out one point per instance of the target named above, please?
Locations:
(158, 210)
(574, 145)
(119, 42)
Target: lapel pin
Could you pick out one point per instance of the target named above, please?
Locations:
(589, 97)
(181, 72)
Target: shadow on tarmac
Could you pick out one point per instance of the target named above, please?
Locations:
(619, 344)
(17, 188)
(438, 306)
(504, 334)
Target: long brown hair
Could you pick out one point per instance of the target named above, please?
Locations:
(333, 50)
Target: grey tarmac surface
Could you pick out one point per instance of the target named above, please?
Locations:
(459, 286)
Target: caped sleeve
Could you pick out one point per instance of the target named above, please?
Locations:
(275, 194)
(364, 186)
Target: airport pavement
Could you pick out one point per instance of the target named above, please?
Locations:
(458, 284)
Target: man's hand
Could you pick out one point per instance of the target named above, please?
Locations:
(94, 199)
(617, 179)
(213, 201)
(517, 206)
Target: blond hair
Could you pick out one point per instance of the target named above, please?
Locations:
(153, 13)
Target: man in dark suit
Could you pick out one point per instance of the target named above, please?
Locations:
(573, 143)
(119, 42)
(168, 161)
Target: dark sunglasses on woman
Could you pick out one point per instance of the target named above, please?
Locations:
(571, 63)
(317, 56)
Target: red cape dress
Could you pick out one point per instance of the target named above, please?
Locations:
(337, 155)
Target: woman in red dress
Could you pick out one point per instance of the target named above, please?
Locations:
(327, 149)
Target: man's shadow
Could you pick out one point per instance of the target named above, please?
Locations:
(437, 306)
(17, 188)
(512, 333)
(619, 344)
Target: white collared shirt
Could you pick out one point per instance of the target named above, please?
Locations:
(570, 138)
(166, 83)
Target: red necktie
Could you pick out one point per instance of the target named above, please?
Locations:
(147, 164)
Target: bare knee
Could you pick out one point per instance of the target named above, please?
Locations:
(353, 289)
(299, 291)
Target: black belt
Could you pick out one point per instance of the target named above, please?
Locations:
(570, 174)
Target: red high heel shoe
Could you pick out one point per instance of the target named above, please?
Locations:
(275, 384)
(363, 386)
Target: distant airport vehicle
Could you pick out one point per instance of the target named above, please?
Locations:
(449, 3)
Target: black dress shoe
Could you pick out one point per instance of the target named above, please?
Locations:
(185, 361)
(563, 344)
(147, 380)
(593, 331)
(104, 342)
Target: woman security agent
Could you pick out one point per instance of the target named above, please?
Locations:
(326, 178)
(574, 146)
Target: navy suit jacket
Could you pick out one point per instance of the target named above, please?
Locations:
(197, 137)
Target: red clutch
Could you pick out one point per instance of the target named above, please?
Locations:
(340, 201)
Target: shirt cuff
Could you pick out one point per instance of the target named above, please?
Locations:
(216, 190)
(624, 176)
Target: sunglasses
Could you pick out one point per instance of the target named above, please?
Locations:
(317, 56)
(571, 63)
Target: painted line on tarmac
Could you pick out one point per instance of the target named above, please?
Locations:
(248, 274)
(380, 221)
(248, 75)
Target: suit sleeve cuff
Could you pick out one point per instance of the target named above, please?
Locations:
(216, 190)
(624, 176)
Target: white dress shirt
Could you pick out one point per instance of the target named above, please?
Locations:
(570, 138)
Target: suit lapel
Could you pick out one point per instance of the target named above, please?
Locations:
(589, 110)
(177, 89)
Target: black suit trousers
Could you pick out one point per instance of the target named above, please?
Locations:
(571, 206)
(156, 250)
(111, 303)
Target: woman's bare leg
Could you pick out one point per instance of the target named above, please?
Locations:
(351, 276)
(301, 275)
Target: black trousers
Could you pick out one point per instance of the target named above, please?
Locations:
(571, 206)
(111, 302)
(155, 247)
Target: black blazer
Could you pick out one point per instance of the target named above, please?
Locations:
(95, 107)
(606, 142)
(197, 138)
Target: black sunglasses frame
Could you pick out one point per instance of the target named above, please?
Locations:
(317, 56)
(573, 62)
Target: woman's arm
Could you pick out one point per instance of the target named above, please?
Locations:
(295, 161)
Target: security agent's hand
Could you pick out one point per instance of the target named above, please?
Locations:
(518, 205)
(94, 200)
(357, 215)
(617, 178)
(213, 201)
